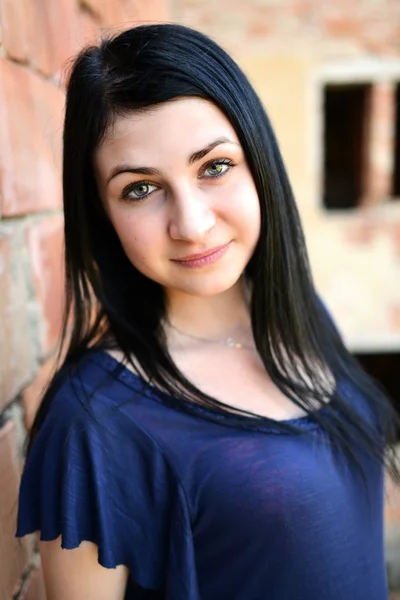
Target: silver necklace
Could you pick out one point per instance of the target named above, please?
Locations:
(229, 341)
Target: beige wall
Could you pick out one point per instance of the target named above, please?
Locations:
(289, 50)
(355, 256)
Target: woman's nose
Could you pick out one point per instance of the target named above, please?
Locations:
(192, 217)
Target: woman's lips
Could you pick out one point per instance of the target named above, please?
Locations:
(209, 257)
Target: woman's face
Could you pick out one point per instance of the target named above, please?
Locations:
(176, 186)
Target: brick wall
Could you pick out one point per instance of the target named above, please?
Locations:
(37, 37)
(328, 27)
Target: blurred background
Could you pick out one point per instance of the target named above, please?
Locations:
(328, 73)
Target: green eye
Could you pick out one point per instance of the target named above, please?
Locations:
(217, 168)
(141, 190)
(138, 191)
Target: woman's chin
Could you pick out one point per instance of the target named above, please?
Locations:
(205, 287)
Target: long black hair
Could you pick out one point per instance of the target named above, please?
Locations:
(110, 304)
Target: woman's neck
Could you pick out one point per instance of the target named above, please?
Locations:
(210, 317)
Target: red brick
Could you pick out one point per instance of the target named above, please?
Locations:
(13, 25)
(379, 168)
(303, 8)
(341, 26)
(125, 13)
(43, 32)
(64, 31)
(17, 350)
(38, 36)
(152, 10)
(89, 29)
(14, 554)
(45, 246)
(53, 33)
(260, 29)
(316, 24)
(110, 12)
(376, 31)
(34, 587)
(31, 396)
(31, 113)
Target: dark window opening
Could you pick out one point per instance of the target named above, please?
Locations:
(346, 109)
(396, 164)
(384, 368)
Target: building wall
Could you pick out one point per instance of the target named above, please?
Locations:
(37, 39)
(341, 28)
(291, 49)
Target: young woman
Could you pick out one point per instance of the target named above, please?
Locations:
(207, 437)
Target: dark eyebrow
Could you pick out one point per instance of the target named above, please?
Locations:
(129, 169)
(198, 155)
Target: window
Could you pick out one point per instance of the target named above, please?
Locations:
(346, 109)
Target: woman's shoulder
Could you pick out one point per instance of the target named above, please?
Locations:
(92, 418)
(91, 390)
(94, 474)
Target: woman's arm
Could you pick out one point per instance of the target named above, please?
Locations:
(77, 575)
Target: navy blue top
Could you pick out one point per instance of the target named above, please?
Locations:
(198, 509)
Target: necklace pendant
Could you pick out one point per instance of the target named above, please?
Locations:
(233, 344)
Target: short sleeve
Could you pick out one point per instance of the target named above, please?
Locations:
(93, 474)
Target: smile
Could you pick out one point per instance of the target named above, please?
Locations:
(209, 257)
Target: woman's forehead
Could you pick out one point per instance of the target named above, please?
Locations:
(180, 126)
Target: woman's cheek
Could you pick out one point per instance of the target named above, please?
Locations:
(243, 206)
(139, 242)
(126, 226)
